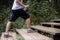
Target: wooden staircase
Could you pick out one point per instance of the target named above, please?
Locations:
(32, 36)
(46, 28)
(51, 24)
(54, 32)
(45, 31)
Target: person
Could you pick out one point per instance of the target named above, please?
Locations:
(18, 11)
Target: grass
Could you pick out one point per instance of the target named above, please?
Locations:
(19, 37)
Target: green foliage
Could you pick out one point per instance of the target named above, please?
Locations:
(41, 11)
(4, 14)
(56, 4)
(19, 37)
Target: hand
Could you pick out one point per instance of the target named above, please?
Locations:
(26, 6)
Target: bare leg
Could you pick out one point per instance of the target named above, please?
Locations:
(29, 30)
(7, 29)
(28, 23)
(8, 26)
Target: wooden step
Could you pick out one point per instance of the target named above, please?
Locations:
(56, 20)
(51, 24)
(47, 29)
(13, 34)
(32, 36)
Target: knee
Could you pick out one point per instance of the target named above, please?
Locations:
(9, 22)
(28, 19)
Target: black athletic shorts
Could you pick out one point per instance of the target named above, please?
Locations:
(19, 13)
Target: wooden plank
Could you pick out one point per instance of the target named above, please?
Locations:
(47, 29)
(32, 36)
(13, 34)
(56, 20)
(25, 35)
(51, 23)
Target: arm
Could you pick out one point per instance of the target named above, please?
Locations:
(19, 2)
